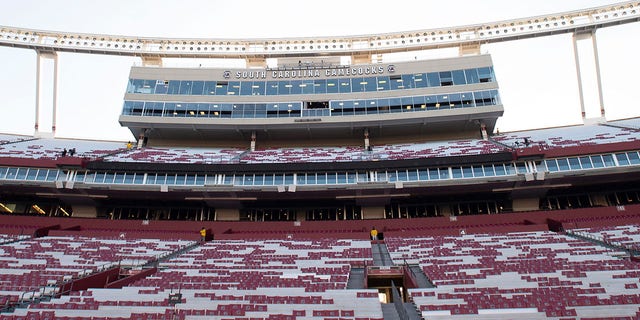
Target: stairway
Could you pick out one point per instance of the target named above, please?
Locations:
(380, 254)
(356, 279)
(421, 278)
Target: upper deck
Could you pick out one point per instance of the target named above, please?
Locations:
(315, 99)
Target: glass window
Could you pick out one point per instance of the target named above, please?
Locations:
(383, 83)
(357, 84)
(296, 87)
(396, 82)
(222, 88)
(162, 87)
(129, 178)
(272, 88)
(320, 86)
(267, 179)
(174, 87)
(459, 77)
(407, 81)
(455, 100)
(197, 88)
(234, 88)
(608, 160)
(108, 178)
(420, 80)
(574, 164)
(446, 78)
(467, 172)
(185, 87)
(412, 175)
(245, 88)
(622, 159)
(31, 174)
(597, 161)
(344, 85)
(466, 98)
(370, 84)
(456, 172)
(423, 174)
(119, 178)
(306, 86)
(284, 87)
(633, 157)
(333, 86)
(500, 170)
(472, 75)
(321, 178)
(209, 88)
(585, 162)
(563, 164)
(485, 74)
(42, 175)
(288, 178)
(551, 164)
(478, 171)
(434, 79)
(331, 178)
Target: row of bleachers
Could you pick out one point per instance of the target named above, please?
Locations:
(435, 149)
(47, 148)
(530, 274)
(633, 123)
(267, 279)
(571, 136)
(561, 137)
(310, 154)
(28, 265)
(9, 138)
(177, 155)
(265, 303)
(316, 265)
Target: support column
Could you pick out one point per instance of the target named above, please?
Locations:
(579, 70)
(598, 78)
(41, 57)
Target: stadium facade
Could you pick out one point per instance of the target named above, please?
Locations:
(290, 161)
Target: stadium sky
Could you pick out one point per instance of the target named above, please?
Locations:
(537, 77)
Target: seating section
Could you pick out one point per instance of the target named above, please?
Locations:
(8, 238)
(40, 265)
(236, 279)
(178, 155)
(573, 136)
(310, 154)
(435, 149)
(532, 275)
(53, 148)
(9, 138)
(381, 152)
(627, 123)
(561, 137)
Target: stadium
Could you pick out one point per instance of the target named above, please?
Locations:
(253, 191)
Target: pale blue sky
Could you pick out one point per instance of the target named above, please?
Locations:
(537, 77)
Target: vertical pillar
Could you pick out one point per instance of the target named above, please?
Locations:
(37, 120)
(55, 93)
(579, 71)
(598, 78)
(579, 74)
(41, 57)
